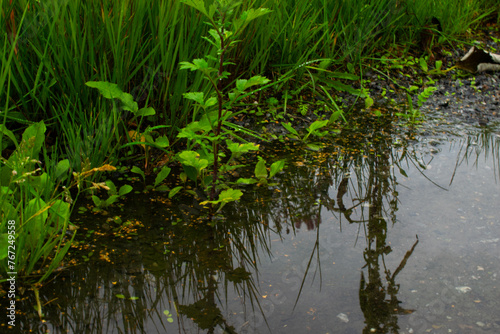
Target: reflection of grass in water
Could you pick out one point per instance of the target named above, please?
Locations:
(484, 145)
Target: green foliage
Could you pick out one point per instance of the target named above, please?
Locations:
(261, 174)
(34, 219)
(225, 196)
(208, 133)
(112, 91)
(113, 193)
(312, 129)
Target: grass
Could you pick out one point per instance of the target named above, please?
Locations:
(63, 44)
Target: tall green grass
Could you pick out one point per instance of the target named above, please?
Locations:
(61, 44)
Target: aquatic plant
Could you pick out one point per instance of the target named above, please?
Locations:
(113, 193)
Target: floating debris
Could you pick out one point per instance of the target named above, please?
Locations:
(463, 289)
(487, 241)
(343, 317)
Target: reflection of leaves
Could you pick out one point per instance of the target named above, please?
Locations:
(238, 275)
(205, 314)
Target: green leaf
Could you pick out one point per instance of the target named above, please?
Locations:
(402, 172)
(335, 116)
(201, 63)
(276, 167)
(230, 195)
(146, 112)
(246, 181)
(226, 196)
(191, 173)
(112, 187)
(137, 170)
(191, 158)
(163, 187)
(198, 97)
(110, 200)
(8, 133)
(423, 64)
(343, 75)
(314, 147)
(211, 102)
(368, 102)
(317, 125)
(120, 296)
(239, 149)
(199, 5)
(439, 64)
(62, 168)
(125, 189)
(97, 201)
(174, 191)
(289, 128)
(165, 171)
(111, 91)
(243, 84)
(4, 245)
(162, 141)
(185, 65)
(260, 169)
(31, 147)
(248, 16)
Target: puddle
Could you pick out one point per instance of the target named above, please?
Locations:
(389, 236)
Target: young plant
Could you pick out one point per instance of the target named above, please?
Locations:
(312, 129)
(261, 175)
(412, 114)
(213, 129)
(142, 138)
(114, 194)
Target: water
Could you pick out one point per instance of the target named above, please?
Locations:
(381, 232)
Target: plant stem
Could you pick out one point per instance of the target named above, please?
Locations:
(218, 88)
